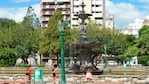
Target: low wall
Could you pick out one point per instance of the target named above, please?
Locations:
(80, 79)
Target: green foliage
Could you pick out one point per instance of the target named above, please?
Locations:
(6, 23)
(50, 36)
(27, 38)
(23, 38)
(144, 60)
(143, 31)
(143, 41)
(21, 51)
(93, 32)
(8, 56)
(41, 65)
(119, 43)
(132, 51)
(31, 20)
(22, 65)
(116, 42)
(73, 36)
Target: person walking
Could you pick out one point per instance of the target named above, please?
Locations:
(28, 74)
(88, 76)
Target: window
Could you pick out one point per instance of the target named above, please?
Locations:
(96, 18)
(74, 18)
(98, 11)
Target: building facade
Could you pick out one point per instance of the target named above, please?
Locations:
(109, 22)
(47, 8)
(133, 28)
(146, 21)
(94, 7)
(71, 7)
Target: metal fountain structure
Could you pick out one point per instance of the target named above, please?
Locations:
(83, 29)
(82, 48)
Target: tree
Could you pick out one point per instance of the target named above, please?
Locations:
(49, 44)
(31, 20)
(26, 36)
(132, 51)
(8, 57)
(7, 23)
(115, 42)
(29, 33)
(20, 37)
(120, 43)
(143, 41)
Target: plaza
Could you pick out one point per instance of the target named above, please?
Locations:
(71, 78)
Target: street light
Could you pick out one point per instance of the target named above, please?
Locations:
(61, 29)
(105, 59)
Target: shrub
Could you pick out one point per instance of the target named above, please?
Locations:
(144, 60)
(22, 65)
(41, 65)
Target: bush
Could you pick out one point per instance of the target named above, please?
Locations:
(144, 60)
(22, 65)
(41, 65)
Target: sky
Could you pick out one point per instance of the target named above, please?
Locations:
(124, 11)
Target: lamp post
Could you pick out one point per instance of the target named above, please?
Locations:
(105, 59)
(61, 29)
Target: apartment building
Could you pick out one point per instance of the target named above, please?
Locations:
(71, 7)
(94, 7)
(133, 28)
(146, 21)
(109, 22)
(47, 8)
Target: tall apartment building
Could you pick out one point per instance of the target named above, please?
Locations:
(49, 6)
(94, 7)
(71, 7)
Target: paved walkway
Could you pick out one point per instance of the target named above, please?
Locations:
(12, 81)
(108, 83)
(23, 82)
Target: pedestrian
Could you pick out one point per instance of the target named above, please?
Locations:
(89, 76)
(54, 73)
(28, 74)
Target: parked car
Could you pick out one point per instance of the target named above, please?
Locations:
(112, 63)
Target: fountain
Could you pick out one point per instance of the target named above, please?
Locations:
(82, 49)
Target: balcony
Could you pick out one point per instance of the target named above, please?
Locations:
(97, 2)
(47, 0)
(99, 9)
(44, 25)
(48, 7)
(76, 3)
(67, 6)
(45, 19)
(47, 13)
(60, 3)
(48, 3)
(60, 7)
(64, 0)
(66, 12)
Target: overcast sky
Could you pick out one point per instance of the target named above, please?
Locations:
(124, 11)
